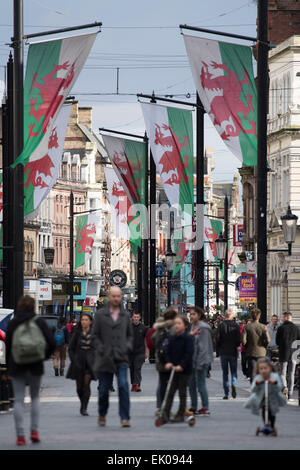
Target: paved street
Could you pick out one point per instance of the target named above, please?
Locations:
(230, 426)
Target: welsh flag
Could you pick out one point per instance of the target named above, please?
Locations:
(86, 231)
(170, 132)
(128, 158)
(51, 71)
(126, 226)
(212, 230)
(223, 75)
(41, 170)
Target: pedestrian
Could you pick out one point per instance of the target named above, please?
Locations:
(139, 353)
(244, 359)
(202, 359)
(112, 338)
(81, 353)
(256, 339)
(70, 326)
(272, 330)
(29, 342)
(265, 371)
(287, 334)
(61, 337)
(179, 355)
(228, 339)
(163, 329)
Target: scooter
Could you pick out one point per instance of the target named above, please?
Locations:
(267, 428)
(159, 420)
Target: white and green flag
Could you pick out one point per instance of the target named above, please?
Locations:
(129, 158)
(86, 225)
(223, 75)
(42, 168)
(52, 69)
(170, 132)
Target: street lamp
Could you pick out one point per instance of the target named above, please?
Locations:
(170, 263)
(221, 248)
(289, 227)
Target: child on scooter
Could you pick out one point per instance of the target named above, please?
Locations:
(265, 371)
(179, 355)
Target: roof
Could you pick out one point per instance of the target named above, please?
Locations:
(92, 137)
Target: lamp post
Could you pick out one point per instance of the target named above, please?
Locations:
(170, 262)
(289, 227)
(221, 248)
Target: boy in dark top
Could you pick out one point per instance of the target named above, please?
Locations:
(139, 353)
(180, 356)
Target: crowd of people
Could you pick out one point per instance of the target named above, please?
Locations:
(111, 343)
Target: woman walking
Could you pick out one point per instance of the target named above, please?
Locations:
(81, 354)
(28, 343)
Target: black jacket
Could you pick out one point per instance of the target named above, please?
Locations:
(139, 335)
(180, 351)
(287, 333)
(38, 367)
(81, 360)
(228, 338)
(112, 340)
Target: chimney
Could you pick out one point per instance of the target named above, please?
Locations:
(85, 117)
(284, 20)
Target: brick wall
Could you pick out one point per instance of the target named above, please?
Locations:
(281, 14)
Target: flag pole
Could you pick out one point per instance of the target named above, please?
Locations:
(199, 254)
(8, 190)
(18, 118)
(71, 274)
(262, 171)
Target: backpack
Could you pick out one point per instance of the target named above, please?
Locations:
(162, 346)
(28, 344)
(59, 337)
(149, 341)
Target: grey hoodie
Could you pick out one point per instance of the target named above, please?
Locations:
(203, 346)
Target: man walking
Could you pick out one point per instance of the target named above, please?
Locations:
(272, 330)
(139, 353)
(202, 359)
(112, 338)
(287, 333)
(228, 339)
(256, 339)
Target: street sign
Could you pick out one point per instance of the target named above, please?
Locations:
(159, 270)
(238, 232)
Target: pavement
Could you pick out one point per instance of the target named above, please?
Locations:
(229, 427)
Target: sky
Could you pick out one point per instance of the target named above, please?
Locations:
(143, 40)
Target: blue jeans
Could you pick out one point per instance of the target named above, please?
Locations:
(105, 383)
(230, 361)
(198, 384)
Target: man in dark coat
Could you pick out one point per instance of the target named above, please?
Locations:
(139, 352)
(287, 333)
(228, 339)
(112, 339)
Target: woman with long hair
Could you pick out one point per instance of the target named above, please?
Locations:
(29, 342)
(81, 353)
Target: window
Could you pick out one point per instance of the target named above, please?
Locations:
(84, 173)
(285, 181)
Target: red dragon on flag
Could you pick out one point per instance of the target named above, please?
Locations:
(42, 165)
(231, 87)
(50, 88)
(86, 239)
(171, 160)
